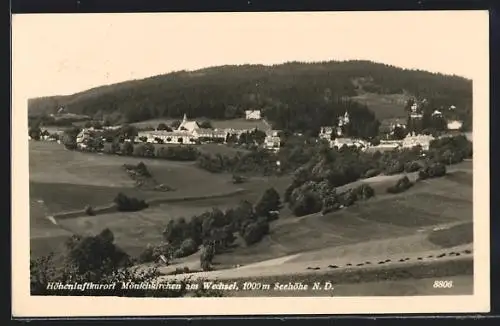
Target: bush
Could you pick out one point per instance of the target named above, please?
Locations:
(306, 203)
(401, 185)
(371, 173)
(434, 170)
(413, 166)
(237, 179)
(188, 247)
(364, 191)
(89, 210)
(255, 231)
(394, 168)
(348, 198)
(129, 204)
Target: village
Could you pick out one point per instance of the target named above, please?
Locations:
(191, 132)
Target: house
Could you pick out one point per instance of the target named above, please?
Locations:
(326, 133)
(412, 140)
(252, 114)
(454, 125)
(272, 143)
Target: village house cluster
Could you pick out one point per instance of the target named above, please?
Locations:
(190, 132)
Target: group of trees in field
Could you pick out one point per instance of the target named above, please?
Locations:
(313, 187)
(215, 230)
(295, 96)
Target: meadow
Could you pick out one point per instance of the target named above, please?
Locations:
(62, 180)
(384, 106)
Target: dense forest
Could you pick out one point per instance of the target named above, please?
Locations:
(287, 94)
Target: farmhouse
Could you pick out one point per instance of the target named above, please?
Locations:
(252, 115)
(412, 140)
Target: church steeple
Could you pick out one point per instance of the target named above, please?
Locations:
(184, 119)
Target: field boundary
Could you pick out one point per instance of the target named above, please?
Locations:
(112, 208)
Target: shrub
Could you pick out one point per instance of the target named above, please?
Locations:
(237, 179)
(129, 204)
(255, 231)
(371, 173)
(434, 170)
(348, 198)
(412, 166)
(364, 191)
(188, 247)
(89, 210)
(401, 185)
(146, 255)
(394, 168)
(306, 203)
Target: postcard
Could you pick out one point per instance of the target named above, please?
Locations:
(194, 164)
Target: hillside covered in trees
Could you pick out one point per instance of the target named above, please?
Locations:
(294, 96)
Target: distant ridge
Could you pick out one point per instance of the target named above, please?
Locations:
(224, 92)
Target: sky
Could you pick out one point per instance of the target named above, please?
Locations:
(61, 54)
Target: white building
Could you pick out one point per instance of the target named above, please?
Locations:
(326, 133)
(272, 142)
(349, 142)
(252, 115)
(454, 125)
(167, 137)
(413, 140)
(210, 134)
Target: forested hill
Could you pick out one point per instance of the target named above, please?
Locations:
(293, 95)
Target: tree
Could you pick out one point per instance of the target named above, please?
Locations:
(175, 124)
(270, 201)
(127, 148)
(34, 130)
(206, 257)
(206, 124)
(163, 126)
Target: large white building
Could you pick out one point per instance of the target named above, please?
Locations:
(252, 114)
(188, 132)
(412, 140)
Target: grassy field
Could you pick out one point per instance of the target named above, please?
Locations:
(434, 202)
(384, 105)
(62, 180)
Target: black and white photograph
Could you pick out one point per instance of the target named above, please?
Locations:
(332, 156)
